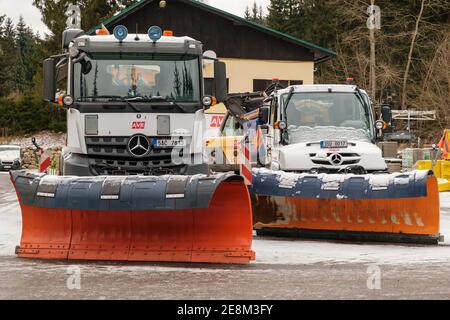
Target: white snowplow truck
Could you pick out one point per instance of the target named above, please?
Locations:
(307, 128)
(134, 185)
(317, 172)
(135, 103)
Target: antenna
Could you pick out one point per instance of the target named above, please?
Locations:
(137, 37)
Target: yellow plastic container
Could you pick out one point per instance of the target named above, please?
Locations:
(427, 165)
(445, 170)
(441, 171)
(443, 185)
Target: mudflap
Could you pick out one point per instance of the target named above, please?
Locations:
(400, 207)
(169, 218)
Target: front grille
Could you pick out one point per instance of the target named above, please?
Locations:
(116, 147)
(348, 158)
(7, 163)
(108, 155)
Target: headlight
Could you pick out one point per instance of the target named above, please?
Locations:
(380, 125)
(68, 100)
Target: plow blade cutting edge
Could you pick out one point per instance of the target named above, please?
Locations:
(401, 207)
(169, 218)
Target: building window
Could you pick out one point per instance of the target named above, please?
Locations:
(209, 86)
(261, 85)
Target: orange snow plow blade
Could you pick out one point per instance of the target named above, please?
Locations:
(170, 218)
(388, 208)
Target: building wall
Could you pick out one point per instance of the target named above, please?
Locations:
(226, 37)
(242, 72)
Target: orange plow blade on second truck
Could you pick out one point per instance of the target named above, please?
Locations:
(401, 207)
(169, 218)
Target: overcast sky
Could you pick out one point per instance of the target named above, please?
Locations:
(32, 16)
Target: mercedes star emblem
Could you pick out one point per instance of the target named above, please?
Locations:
(336, 159)
(138, 145)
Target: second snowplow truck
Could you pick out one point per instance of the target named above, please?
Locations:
(134, 185)
(317, 170)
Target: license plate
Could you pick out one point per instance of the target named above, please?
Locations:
(333, 144)
(7, 167)
(169, 143)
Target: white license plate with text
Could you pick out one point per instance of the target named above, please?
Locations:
(169, 143)
(333, 144)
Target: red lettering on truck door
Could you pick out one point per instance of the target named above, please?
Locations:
(137, 125)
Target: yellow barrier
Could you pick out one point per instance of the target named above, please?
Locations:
(441, 170)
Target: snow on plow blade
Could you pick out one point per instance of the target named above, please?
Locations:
(170, 218)
(382, 207)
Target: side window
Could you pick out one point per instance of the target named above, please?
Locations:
(231, 127)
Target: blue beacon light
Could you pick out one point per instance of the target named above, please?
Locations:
(155, 33)
(120, 33)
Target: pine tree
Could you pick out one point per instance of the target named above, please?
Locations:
(247, 15)
(277, 17)
(255, 15)
(8, 58)
(255, 11)
(28, 56)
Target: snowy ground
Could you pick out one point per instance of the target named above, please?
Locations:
(284, 269)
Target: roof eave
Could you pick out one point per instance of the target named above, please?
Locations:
(326, 54)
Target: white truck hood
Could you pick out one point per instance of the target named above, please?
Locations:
(304, 156)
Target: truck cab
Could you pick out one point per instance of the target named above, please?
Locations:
(135, 103)
(323, 127)
(313, 128)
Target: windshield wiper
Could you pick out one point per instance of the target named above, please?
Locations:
(100, 97)
(285, 134)
(113, 98)
(289, 97)
(156, 99)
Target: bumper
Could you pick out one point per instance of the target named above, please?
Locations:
(74, 164)
(7, 167)
(80, 165)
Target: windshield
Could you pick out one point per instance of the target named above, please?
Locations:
(124, 76)
(319, 116)
(9, 152)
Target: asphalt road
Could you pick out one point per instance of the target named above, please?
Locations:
(284, 269)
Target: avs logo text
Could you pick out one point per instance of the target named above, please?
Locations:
(216, 121)
(138, 125)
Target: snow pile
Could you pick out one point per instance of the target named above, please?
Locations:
(332, 182)
(379, 182)
(45, 140)
(308, 134)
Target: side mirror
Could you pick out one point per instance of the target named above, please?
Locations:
(220, 80)
(49, 91)
(386, 116)
(263, 115)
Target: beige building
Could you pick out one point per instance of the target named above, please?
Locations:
(247, 75)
